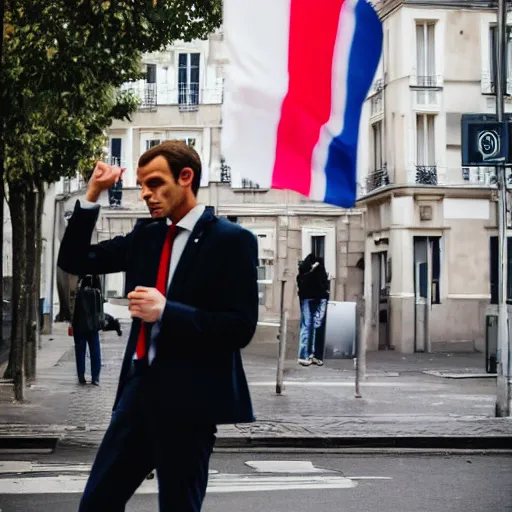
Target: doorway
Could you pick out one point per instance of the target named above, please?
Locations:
(427, 270)
(380, 302)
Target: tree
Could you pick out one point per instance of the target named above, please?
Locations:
(62, 68)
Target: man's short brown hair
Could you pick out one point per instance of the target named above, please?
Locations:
(178, 155)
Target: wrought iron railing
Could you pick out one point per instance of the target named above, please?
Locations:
(249, 184)
(187, 96)
(426, 175)
(377, 179)
(427, 81)
(225, 172)
(377, 103)
(489, 87)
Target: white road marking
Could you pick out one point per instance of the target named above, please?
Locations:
(285, 466)
(369, 478)
(18, 467)
(14, 466)
(222, 483)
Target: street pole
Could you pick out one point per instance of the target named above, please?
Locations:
(503, 380)
(2, 188)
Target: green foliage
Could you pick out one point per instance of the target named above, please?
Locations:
(63, 64)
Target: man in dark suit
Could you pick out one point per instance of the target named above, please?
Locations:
(191, 281)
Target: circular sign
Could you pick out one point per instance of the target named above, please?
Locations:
(488, 144)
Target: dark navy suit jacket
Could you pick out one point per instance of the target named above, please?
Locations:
(211, 312)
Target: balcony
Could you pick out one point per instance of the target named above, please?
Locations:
(115, 193)
(377, 179)
(426, 82)
(187, 97)
(376, 98)
(426, 175)
(488, 86)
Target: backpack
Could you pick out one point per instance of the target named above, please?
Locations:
(88, 316)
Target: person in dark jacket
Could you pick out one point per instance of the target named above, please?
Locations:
(313, 291)
(86, 328)
(192, 286)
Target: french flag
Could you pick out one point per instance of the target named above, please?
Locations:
(298, 74)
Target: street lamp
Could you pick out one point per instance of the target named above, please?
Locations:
(503, 401)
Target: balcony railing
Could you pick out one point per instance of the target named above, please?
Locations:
(377, 104)
(488, 85)
(426, 81)
(426, 175)
(225, 172)
(377, 179)
(249, 184)
(188, 97)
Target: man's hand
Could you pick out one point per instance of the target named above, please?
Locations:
(103, 177)
(146, 303)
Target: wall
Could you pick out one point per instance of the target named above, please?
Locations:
(462, 56)
(465, 219)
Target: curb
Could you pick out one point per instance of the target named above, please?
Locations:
(476, 442)
(28, 444)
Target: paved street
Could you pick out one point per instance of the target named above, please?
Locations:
(292, 482)
(403, 395)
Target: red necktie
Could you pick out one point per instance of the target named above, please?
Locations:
(161, 285)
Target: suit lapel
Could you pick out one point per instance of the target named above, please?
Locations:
(187, 259)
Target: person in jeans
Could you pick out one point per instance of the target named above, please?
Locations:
(313, 290)
(86, 326)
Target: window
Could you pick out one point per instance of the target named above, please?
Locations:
(493, 57)
(425, 140)
(188, 78)
(425, 53)
(151, 73)
(421, 246)
(320, 240)
(189, 141)
(318, 246)
(494, 270)
(264, 276)
(115, 151)
(152, 142)
(377, 145)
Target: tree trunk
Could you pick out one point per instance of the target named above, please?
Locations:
(39, 250)
(31, 263)
(2, 200)
(16, 367)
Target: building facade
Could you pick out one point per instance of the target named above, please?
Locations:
(431, 224)
(181, 98)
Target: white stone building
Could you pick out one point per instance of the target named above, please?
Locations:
(181, 98)
(431, 224)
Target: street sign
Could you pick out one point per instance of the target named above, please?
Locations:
(485, 141)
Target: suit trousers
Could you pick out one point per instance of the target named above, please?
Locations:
(140, 439)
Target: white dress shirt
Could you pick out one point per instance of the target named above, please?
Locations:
(186, 225)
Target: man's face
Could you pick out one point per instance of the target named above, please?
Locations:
(159, 188)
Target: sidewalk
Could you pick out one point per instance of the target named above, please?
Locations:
(403, 398)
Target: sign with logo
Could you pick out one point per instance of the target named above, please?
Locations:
(485, 142)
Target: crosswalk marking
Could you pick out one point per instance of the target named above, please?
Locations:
(222, 483)
(285, 466)
(22, 477)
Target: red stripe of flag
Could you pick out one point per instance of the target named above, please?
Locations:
(307, 105)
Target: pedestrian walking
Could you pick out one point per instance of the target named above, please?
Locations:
(191, 281)
(87, 320)
(313, 291)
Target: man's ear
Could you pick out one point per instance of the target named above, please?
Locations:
(186, 176)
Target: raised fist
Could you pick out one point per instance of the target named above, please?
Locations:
(103, 177)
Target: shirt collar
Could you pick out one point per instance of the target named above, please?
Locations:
(191, 218)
